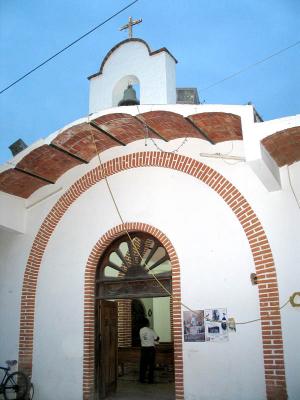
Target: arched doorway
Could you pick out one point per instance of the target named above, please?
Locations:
(133, 275)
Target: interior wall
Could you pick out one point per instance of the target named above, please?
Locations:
(148, 304)
(159, 316)
(162, 322)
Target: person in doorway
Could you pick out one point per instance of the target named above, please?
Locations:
(148, 340)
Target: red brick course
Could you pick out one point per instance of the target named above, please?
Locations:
(219, 126)
(124, 127)
(170, 125)
(47, 162)
(262, 255)
(124, 323)
(19, 184)
(78, 140)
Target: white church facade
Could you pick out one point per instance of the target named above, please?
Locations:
(188, 212)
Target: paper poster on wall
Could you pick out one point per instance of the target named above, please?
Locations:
(216, 326)
(208, 325)
(193, 325)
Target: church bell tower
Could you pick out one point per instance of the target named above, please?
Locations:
(128, 65)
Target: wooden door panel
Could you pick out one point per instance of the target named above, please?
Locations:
(108, 347)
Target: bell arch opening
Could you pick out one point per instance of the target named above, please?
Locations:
(122, 85)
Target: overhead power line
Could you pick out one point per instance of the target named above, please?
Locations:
(250, 66)
(67, 47)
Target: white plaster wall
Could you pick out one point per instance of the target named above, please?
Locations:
(14, 251)
(59, 312)
(12, 213)
(156, 75)
(9, 298)
(281, 219)
(219, 257)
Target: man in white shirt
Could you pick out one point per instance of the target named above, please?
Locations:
(148, 339)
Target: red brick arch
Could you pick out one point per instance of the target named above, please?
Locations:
(261, 251)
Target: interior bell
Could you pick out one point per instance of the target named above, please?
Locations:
(129, 97)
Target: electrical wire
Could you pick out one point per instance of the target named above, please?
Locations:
(68, 46)
(147, 136)
(259, 319)
(120, 215)
(250, 66)
(292, 189)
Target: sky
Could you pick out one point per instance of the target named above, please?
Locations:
(210, 39)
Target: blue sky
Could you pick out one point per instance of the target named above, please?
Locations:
(210, 39)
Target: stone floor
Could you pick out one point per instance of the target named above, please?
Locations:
(142, 391)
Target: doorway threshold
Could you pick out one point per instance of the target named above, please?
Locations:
(129, 390)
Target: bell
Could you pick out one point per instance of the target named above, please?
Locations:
(129, 98)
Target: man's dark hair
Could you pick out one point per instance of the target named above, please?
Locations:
(146, 323)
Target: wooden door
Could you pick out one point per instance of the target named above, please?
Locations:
(107, 347)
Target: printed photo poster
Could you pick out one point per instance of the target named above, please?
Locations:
(216, 326)
(193, 325)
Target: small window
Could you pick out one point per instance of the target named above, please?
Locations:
(142, 256)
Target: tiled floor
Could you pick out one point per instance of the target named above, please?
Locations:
(128, 390)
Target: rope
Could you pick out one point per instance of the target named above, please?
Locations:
(121, 218)
(147, 136)
(137, 250)
(292, 189)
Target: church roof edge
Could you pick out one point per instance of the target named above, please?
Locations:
(151, 53)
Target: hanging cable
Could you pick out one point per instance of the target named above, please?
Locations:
(120, 215)
(250, 66)
(259, 319)
(68, 46)
(147, 136)
(292, 189)
(103, 173)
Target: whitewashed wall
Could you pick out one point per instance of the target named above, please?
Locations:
(155, 74)
(215, 264)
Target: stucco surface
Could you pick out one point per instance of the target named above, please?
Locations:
(215, 266)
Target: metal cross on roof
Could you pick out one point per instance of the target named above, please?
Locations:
(130, 24)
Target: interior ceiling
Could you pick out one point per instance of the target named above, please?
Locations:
(80, 143)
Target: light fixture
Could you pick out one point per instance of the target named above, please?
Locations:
(222, 156)
(253, 278)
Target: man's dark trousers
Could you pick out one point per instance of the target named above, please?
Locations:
(147, 361)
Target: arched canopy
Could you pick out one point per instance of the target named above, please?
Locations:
(284, 146)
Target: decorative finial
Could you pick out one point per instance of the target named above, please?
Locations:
(130, 24)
